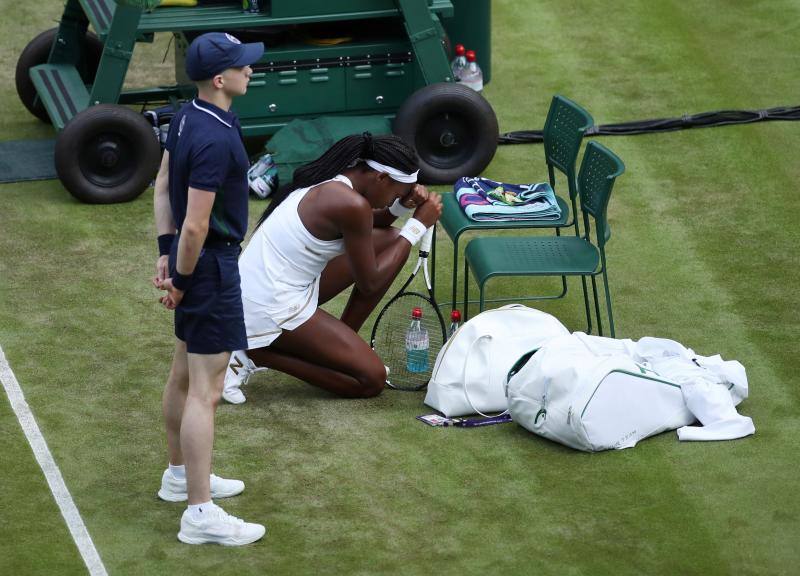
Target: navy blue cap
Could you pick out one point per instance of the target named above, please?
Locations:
(211, 53)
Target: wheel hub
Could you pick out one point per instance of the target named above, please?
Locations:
(107, 159)
(108, 154)
(445, 140)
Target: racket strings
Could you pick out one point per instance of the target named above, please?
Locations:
(409, 360)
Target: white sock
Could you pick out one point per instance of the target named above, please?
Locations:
(196, 511)
(178, 472)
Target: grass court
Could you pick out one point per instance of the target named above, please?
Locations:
(704, 250)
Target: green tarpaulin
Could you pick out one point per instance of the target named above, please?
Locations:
(302, 141)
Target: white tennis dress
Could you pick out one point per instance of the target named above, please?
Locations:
(281, 269)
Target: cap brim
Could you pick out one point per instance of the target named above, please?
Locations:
(251, 54)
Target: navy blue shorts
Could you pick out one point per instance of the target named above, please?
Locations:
(210, 318)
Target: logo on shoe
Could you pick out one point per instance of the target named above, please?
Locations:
(234, 366)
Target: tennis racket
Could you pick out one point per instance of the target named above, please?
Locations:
(398, 335)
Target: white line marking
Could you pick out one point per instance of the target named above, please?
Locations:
(51, 472)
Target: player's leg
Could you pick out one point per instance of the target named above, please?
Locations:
(173, 400)
(338, 276)
(206, 373)
(327, 353)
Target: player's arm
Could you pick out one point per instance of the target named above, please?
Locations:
(385, 217)
(194, 230)
(193, 235)
(165, 223)
(382, 218)
(208, 166)
(354, 218)
(163, 211)
(371, 272)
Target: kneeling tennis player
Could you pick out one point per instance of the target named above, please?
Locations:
(329, 229)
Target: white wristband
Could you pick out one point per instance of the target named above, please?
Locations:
(413, 231)
(397, 209)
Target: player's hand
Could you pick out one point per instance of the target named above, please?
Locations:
(416, 197)
(429, 211)
(173, 296)
(162, 270)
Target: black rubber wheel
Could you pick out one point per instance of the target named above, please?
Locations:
(36, 52)
(107, 154)
(453, 128)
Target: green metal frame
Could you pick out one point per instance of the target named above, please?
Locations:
(556, 256)
(564, 128)
(366, 66)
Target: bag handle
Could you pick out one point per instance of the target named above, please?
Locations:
(464, 378)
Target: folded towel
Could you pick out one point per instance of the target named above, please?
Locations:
(484, 200)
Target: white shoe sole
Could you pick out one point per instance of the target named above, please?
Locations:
(238, 399)
(183, 496)
(226, 542)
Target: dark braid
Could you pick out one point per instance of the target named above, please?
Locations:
(389, 150)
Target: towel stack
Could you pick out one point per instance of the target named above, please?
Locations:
(486, 200)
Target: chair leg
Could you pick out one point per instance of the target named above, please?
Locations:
(563, 278)
(586, 306)
(608, 303)
(466, 290)
(482, 302)
(597, 307)
(455, 274)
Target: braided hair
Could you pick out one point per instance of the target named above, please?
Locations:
(389, 150)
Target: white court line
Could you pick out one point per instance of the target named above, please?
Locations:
(51, 472)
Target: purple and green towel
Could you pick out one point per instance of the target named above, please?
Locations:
(486, 200)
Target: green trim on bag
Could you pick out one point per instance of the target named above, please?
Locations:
(521, 361)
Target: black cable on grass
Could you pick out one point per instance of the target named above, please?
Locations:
(702, 120)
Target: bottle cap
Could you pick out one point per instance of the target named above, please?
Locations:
(455, 316)
(416, 313)
(460, 50)
(470, 55)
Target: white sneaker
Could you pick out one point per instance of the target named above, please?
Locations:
(218, 527)
(239, 370)
(174, 489)
(233, 394)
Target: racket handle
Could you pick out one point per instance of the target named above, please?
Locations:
(427, 240)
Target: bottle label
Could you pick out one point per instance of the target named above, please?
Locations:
(417, 346)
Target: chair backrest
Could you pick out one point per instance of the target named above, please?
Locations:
(564, 128)
(599, 169)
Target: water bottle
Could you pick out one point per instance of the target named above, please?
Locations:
(417, 344)
(455, 322)
(472, 76)
(459, 63)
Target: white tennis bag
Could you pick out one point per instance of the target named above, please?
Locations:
(579, 391)
(470, 372)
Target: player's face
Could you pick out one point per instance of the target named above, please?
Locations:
(235, 80)
(385, 191)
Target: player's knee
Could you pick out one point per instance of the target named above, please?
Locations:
(371, 381)
(210, 396)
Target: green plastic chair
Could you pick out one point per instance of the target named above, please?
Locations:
(563, 132)
(556, 255)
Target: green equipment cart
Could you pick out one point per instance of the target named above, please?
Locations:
(335, 57)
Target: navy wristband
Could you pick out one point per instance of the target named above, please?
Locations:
(165, 244)
(181, 281)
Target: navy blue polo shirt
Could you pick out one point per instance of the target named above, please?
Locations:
(206, 152)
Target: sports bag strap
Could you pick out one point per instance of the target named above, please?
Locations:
(465, 381)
